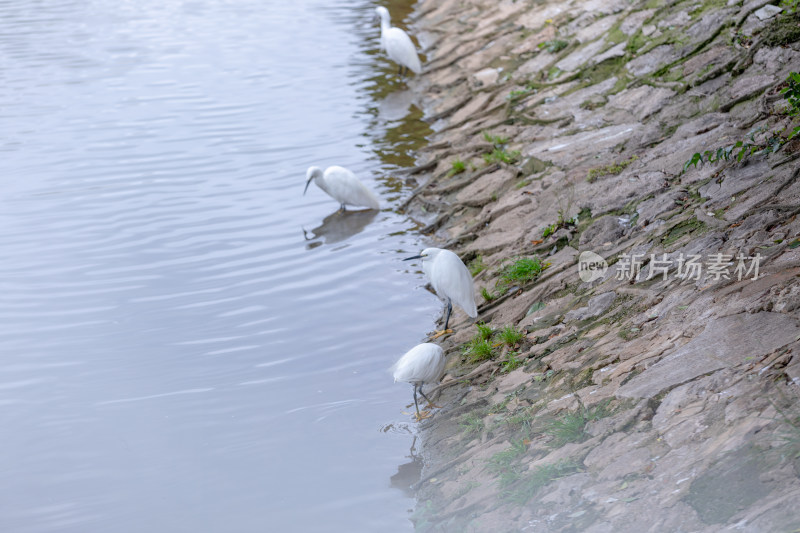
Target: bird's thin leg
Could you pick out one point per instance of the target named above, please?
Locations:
(449, 310)
(343, 208)
(446, 330)
(399, 70)
(423, 414)
(430, 403)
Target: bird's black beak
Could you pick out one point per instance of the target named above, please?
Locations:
(410, 258)
(307, 183)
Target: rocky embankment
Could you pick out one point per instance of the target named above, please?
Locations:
(663, 395)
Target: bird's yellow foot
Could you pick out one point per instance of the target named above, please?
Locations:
(432, 405)
(422, 415)
(437, 334)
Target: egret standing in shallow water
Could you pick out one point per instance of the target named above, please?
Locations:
(450, 279)
(398, 44)
(424, 363)
(343, 186)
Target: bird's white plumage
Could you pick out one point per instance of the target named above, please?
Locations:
(424, 363)
(450, 278)
(343, 186)
(397, 43)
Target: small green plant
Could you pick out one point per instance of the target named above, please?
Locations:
(570, 427)
(522, 420)
(790, 6)
(540, 477)
(502, 463)
(517, 93)
(478, 350)
(499, 155)
(476, 266)
(471, 424)
(485, 331)
(494, 140)
(771, 140)
(743, 149)
(606, 170)
(560, 223)
(488, 296)
(512, 363)
(553, 46)
(423, 515)
(791, 93)
(510, 335)
(465, 488)
(520, 270)
(457, 167)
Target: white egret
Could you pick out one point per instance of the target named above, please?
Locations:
(343, 186)
(397, 44)
(450, 279)
(424, 363)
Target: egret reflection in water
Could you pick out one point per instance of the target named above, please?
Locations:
(408, 474)
(339, 226)
(396, 105)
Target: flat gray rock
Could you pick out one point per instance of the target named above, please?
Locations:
(642, 101)
(767, 12)
(595, 307)
(726, 342)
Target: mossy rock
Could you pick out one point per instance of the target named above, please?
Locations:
(784, 30)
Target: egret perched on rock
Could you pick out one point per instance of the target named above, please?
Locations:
(398, 44)
(450, 279)
(424, 363)
(343, 186)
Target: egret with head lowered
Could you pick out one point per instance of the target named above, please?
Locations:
(450, 279)
(397, 44)
(343, 186)
(424, 363)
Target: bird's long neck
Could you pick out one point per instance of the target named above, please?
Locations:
(385, 23)
(322, 184)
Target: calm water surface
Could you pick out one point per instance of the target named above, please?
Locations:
(188, 344)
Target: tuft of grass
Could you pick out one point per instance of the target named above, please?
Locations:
(499, 155)
(553, 46)
(495, 140)
(502, 463)
(606, 170)
(538, 479)
(485, 331)
(510, 335)
(512, 363)
(517, 93)
(488, 296)
(520, 270)
(471, 424)
(522, 419)
(476, 266)
(478, 350)
(457, 167)
(466, 488)
(790, 431)
(570, 427)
